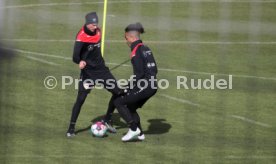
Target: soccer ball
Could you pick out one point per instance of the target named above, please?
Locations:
(98, 129)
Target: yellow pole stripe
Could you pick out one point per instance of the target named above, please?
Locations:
(104, 22)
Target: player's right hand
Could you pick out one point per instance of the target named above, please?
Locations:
(82, 64)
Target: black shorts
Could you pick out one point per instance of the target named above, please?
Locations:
(136, 98)
(105, 78)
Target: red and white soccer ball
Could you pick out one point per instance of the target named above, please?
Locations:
(98, 129)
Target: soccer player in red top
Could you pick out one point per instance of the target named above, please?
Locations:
(87, 54)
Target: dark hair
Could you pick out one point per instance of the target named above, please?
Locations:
(135, 27)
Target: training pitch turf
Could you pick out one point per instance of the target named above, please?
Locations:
(195, 39)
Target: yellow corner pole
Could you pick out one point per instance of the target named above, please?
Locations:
(104, 23)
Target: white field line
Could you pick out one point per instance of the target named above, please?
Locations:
(161, 69)
(142, 1)
(251, 121)
(41, 60)
(115, 64)
(179, 100)
(37, 53)
(234, 116)
(154, 42)
(191, 72)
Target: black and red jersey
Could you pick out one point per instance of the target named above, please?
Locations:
(88, 48)
(143, 62)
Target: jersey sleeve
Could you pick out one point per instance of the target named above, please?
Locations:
(77, 52)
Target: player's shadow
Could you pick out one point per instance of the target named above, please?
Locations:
(158, 126)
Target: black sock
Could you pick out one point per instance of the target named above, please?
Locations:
(136, 118)
(72, 125)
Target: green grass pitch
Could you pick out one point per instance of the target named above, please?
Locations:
(188, 38)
